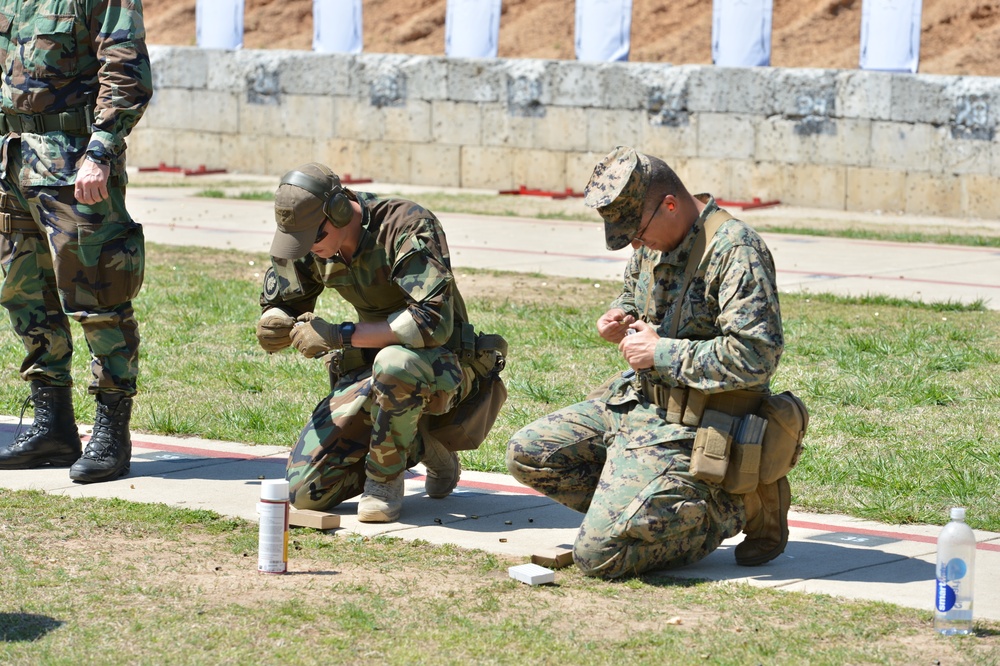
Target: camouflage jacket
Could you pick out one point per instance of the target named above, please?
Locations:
(729, 334)
(400, 273)
(64, 54)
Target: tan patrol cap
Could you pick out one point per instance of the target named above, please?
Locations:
(617, 189)
(298, 212)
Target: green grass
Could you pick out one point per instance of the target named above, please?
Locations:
(90, 581)
(904, 397)
(905, 402)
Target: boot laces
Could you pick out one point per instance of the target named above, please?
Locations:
(383, 490)
(102, 442)
(20, 439)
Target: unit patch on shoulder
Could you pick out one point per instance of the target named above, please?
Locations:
(270, 285)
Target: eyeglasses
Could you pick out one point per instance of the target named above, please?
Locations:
(321, 233)
(638, 236)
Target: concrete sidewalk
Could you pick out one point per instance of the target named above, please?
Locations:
(827, 554)
(831, 554)
(805, 264)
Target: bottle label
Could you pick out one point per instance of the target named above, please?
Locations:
(945, 598)
(948, 577)
(956, 568)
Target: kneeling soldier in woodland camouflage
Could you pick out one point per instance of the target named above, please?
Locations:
(698, 322)
(411, 380)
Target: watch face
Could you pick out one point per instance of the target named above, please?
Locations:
(346, 331)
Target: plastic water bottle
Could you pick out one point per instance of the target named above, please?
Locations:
(955, 559)
(272, 540)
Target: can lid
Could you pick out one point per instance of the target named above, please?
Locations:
(275, 490)
(958, 513)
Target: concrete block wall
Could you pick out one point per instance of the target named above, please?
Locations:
(842, 139)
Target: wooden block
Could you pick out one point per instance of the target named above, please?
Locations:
(532, 574)
(316, 519)
(554, 558)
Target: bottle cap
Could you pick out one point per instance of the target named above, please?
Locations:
(958, 513)
(275, 490)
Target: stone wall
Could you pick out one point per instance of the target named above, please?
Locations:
(842, 139)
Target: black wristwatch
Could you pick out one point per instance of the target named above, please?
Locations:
(99, 156)
(346, 331)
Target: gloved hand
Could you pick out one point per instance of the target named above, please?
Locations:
(273, 328)
(314, 337)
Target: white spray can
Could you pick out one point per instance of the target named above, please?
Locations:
(272, 543)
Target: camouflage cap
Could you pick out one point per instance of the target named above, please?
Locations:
(298, 212)
(617, 189)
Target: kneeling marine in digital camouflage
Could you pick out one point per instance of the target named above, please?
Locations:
(411, 380)
(698, 321)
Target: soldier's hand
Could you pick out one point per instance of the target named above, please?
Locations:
(639, 349)
(314, 337)
(613, 325)
(273, 330)
(91, 184)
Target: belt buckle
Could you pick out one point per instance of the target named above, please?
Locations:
(5, 225)
(28, 124)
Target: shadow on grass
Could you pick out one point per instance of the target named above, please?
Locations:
(26, 627)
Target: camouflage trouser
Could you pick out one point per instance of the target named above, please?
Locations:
(81, 262)
(644, 510)
(368, 426)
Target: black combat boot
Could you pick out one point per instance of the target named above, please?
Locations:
(109, 452)
(52, 439)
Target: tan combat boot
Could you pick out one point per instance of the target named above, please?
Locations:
(381, 502)
(767, 523)
(443, 468)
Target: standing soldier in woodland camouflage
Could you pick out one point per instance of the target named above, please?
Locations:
(410, 361)
(624, 459)
(76, 79)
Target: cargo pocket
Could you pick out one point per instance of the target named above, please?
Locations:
(667, 506)
(111, 270)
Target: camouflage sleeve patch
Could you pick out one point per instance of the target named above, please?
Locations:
(291, 286)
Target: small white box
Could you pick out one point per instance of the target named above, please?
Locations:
(532, 574)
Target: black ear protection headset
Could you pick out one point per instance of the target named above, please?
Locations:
(336, 205)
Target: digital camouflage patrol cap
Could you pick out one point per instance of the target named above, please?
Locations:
(617, 189)
(299, 213)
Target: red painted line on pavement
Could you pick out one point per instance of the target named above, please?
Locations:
(523, 490)
(882, 533)
(204, 453)
(889, 279)
(543, 253)
(930, 247)
(201, 227)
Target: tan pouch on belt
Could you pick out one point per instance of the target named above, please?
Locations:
(712, 442)
(676, 401)
(787, 421)
(744, 469)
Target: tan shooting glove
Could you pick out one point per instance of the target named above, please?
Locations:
(273, 328)
(314, 337)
